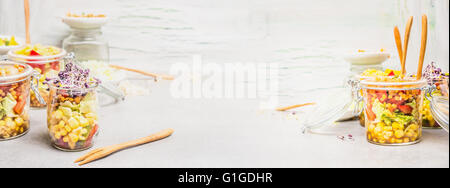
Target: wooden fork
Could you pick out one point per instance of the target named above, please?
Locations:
(108, 150)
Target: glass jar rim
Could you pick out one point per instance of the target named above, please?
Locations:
(26, 73)
(36, 59)
(92, 87)
(407, 83)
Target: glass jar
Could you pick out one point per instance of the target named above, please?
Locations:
(72, 118)
(392, 110)
(15, 83)
(87, 44)
(427, 117)
(46, 65)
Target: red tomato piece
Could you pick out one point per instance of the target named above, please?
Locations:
(406, 109)
(391, 73)
(34, 53)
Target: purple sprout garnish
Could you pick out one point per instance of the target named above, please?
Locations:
(74, 77)
(433, 73)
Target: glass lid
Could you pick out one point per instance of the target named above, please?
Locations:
(439, 110)
(12, 70)
(331, 105)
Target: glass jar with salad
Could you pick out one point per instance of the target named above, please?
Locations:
(372, 73)
(72, 116)
(15, 83)
(435, 77)
(392, 110)
(44, 59)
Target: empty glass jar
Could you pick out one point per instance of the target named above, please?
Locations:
(87, 44)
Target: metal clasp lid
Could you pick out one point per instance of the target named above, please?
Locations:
(356, 95)
(34, 86)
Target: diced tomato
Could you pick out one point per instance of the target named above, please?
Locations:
(55, 65)
(397, 102)
(391, 73)
(405, 109)
(34, 53)
(382, 96)
(37, 65)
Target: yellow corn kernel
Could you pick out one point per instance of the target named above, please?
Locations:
(73, 138)
(73, 123)
(58, 114)
(19, 121)
(83, 121)
(381, 124)
(399, 141)
(382, 141)
(2, 123)
(61, 124)
(91, 121)
(409, 134)
(82, 138)
(77, 131)
(83, 131)
(405, 140)
(371, 127)
(392, 140)
(413, 127)
(57, 135)
(387, 128)
(11, 124)
(397, 126)
(68, 129)
(399, 133)
(378, 130)
(63, 132)
(66, 139)
(387, 134)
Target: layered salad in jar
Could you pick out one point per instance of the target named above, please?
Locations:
(436, 77)
(45, 60)
(373, 73)
(14, 93)
(392, 110)
(72, 109)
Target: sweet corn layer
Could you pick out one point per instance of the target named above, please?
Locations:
(427, 117)
(11, 127)
(71, 129)
(395, 133)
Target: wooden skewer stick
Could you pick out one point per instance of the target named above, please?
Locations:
(398, 41)
(27, 20)
(165, 77)
(108, 150)
(423, 45)
(405, 45)
(294, 106)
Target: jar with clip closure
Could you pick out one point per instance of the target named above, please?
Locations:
(16, 79)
